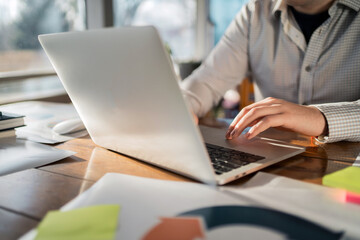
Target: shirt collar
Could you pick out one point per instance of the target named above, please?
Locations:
(280, 5)
(353, 4)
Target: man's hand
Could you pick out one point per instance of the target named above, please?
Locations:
(272, 112)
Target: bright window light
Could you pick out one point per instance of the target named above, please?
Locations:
(174, 19)
(21, 21)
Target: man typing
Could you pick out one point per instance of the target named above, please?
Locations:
(303, 57)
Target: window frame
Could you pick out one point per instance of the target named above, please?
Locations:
(34, 73)
(100, 14)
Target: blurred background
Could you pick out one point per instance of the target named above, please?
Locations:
(189, 28)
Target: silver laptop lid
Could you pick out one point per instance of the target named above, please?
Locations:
(122, 84)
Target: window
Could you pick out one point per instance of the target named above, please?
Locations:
(222, 13)
(186, 27)
(21, 21)
(25, 72)
(174, 19)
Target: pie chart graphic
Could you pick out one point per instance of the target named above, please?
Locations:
(290, 226)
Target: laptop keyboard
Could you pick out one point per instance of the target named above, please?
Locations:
(226, 159)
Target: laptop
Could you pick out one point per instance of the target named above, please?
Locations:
(123, 85)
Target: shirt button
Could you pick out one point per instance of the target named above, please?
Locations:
(308, 68)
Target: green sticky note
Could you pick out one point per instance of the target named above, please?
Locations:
(90, 223)
(347, 178)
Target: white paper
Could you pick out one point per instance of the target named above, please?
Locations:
(17, 155)
(144, 201)
(40, 118)
(323, 205)
(357, 161)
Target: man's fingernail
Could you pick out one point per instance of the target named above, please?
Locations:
(228, 136)
(251, 130)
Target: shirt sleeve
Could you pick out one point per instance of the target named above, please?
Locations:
(223, 69)
(343, 120)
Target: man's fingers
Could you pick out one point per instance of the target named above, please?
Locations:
(266, 102)
(273, 112)
(265, 123)
(253, 115)
(250, 125)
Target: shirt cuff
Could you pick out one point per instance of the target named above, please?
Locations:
(343, 121)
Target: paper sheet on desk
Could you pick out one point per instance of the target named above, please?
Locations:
(143, 199)
(17, 155)
(323, 205)
(40, 117)
(149, 204)
(357, 161)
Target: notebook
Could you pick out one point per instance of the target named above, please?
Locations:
(123, 85)
(10, 120)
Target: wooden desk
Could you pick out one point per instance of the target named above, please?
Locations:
(26, 196)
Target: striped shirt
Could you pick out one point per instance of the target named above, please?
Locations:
(265, 43)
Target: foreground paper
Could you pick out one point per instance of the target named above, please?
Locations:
(152, 209)
(96, 222)
(18, 154)
(319, 204)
